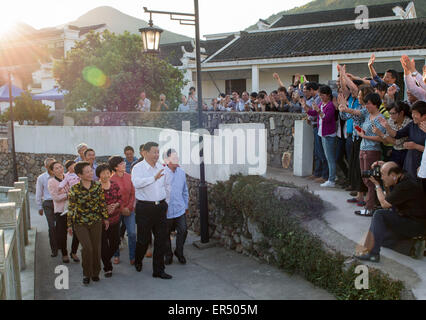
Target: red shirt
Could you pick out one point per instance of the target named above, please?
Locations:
(127, 191)
(112, 195)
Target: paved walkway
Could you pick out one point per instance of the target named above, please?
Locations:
(341, 218)
(211, 274)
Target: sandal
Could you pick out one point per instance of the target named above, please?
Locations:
(361, 203)
(364, 212)
(368, 257)
(352, 200)
(116, 260)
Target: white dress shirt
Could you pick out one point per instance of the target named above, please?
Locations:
(422, 170)
(145, 107)
(42, 192)
(146, 187)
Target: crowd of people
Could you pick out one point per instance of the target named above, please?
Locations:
(363, 128)
(97, 203)
(377, 140)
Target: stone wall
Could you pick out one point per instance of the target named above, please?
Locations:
(30, 165)
(280, 126)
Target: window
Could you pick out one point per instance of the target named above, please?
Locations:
(238, 85)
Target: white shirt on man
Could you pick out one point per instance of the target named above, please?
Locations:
(422, 170)
(42, 192)
(146, 106)
(146, 187)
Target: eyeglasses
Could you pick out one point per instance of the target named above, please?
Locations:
(393, 113)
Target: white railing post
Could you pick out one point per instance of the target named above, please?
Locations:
(15, 195)
(27, 203)
(9, 261)
(21, 185)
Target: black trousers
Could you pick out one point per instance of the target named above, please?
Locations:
(51, 222)
(75, 242)
(178, 224)
(387, 227)
(61, 232)
(355, 179)
(151, 217)
(110, 244)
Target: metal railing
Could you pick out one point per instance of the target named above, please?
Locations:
(14, 225)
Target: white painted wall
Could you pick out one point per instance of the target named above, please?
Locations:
(108, 141)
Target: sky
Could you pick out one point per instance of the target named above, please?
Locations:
(216, 16)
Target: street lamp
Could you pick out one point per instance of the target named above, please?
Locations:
(150, 37)
(151, 44)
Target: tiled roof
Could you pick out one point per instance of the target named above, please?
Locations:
(173, 52)
(374, 11)
(87, 29)
(380, 36)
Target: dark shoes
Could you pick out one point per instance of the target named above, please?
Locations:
(181, 259)
(65, 259)
(368, 257)
(96, 279)
(54, 253)
(108, 274)
(162, 275)
(168, 260)
(74, 257)
(86, 281)
(138, 267)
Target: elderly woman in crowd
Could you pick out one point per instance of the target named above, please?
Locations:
(353, 97)
(87, 208)
(81, 149)
(110, 236)
(127, 209)
(370, 149)
(400, 117)
(59, 197)
(416, 137)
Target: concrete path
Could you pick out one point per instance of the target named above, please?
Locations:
(211, 274)
(341, 218)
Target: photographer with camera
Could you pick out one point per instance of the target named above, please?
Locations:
(404, 209)
(162, 105)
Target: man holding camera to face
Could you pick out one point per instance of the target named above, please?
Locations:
(404, 209)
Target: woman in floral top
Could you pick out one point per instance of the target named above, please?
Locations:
(87, 208)
(111, 236)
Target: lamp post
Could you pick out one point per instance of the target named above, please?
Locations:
(12, 130)
(151, 42)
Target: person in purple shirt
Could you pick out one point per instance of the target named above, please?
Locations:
(327, 130)
(325, 112)
(308, 97)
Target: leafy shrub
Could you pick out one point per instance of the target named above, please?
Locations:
(296, 250)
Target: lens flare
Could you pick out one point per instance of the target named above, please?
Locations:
(95, 77)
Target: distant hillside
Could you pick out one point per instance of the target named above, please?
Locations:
(119, 22)
(322, 5)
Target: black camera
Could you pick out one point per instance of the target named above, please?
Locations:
(375, 173)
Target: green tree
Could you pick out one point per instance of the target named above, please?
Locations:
(27, 109)
(108, 72)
